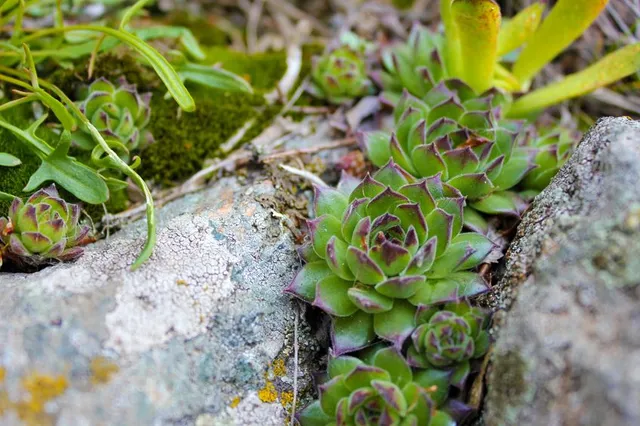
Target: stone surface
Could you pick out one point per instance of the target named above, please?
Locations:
(201, 334)
(568, 351)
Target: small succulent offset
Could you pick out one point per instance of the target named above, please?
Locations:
(449, 338)
(340, 75)
(382, 247)
(44, 229)
(552, 149)
(464, 139)
(384, 391)
(119, 112)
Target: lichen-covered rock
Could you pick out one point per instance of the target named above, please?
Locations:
(202, 333)
(568, 350)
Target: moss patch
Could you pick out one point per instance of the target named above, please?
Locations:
(205, 32)
(262, 70)
(13, 179)
(184, 140)
(111, 65)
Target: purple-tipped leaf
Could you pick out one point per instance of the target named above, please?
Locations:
(397, 324)
(352, 333)
(305, 281)
(400, 287)
(332, 297)
(369, 300)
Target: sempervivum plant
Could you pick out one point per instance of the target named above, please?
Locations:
(416, 66)
(449, 338)
(462, 138)
(384, 391)
(119, 112)
(340, 75)
(552, 149)
(381, 248)
(43, 229)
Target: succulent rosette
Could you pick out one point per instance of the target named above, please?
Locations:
(383, 391)
(416, 66)
(340, 75)
(461, 137)
(552, 149)
(119, 112)
(382, 247)
(43, 229)
(449, 338)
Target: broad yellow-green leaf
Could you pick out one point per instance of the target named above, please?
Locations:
(566, 22)
(609, 69)
(515, 32)
(477, 24)
(452, 41)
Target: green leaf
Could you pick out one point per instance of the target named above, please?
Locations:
(391, 360)
(132, 11)
(332, 297)
(304, 283)
(162, 67)
(478, 24)
(566, 22)
(437, 378)
(331, 393)
(8, 160)
(80, 180)
(352, 333)
(329, 201)
(397, 324)
(342, 365)
(517, 31)
(313, 415)
(363, 375)
(216, 78)
(613, 67)
(504, 202)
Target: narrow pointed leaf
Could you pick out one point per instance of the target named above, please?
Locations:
(517, 31)
(611, 68)
(566, 22)
(369, 300)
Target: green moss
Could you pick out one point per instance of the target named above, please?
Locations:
(206, 33)
(110, 65)
(13, 179)
(183, 141)
(262, 70)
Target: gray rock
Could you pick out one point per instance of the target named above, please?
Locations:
(568, 351)
(201, 334)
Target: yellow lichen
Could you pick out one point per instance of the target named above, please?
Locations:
(268, 393)
(2, 373)
(42, 389)
(182, 283)
(286, 399)
(279, 369)
(235, 402)
(102, 369)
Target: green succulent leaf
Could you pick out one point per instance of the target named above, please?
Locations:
(305, 281)
(332, 296)
(390, 360)
(352, 333)
(313, 415)
(342, 365)
(331, 393)
(430, 378)
(397, 324)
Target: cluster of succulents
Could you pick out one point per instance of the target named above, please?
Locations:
(119, 112)
(382, 390)
(383, 247)
(463, 138)
(341, 74)
(43, 229)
